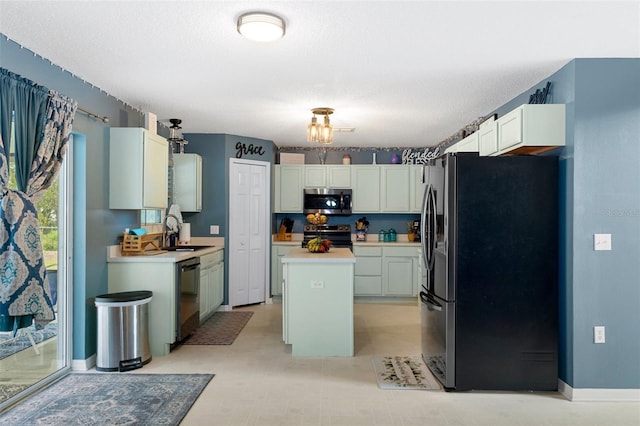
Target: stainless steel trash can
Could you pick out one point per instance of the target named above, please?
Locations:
(123, 330)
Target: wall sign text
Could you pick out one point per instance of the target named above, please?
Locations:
(411, 156)
(540, 97)
(251, 149)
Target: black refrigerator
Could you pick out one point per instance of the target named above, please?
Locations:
(489, 306)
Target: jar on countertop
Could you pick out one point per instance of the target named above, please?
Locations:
(382, 235)
(392, 235)
(346, 159)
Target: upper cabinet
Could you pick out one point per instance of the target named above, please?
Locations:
(187, 182)
(488, 138)
(366, 188)
(418, 184)
(396, 189)
(468, 144)
(138, 165)
(327, 176)
(288, 188)
(531, 129)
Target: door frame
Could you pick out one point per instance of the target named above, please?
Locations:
(267, 223)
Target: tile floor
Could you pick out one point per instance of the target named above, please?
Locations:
(258, 382)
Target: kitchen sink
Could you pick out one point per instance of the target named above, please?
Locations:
(185, 248)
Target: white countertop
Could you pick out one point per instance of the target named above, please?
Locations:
(216, 244)
(335, 255)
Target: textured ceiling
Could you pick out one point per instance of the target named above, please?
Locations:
(404, 74)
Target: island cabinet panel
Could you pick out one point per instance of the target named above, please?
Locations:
(317, 302)
(160, 279)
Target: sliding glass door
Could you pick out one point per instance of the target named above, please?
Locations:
(33, 357)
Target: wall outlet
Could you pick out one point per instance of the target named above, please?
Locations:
(602, 241)
(214, 229)
(317, 284)
(598, 334)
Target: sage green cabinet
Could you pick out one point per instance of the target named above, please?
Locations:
(187, 182)
(368, 271)
(366, 188)
(288, 188)
(418, 183)
(396, 189)
(400, 271)
(277, 252)
(211, 283)
(488, 138)
(138, 169)
(327, 176)
(531, 129)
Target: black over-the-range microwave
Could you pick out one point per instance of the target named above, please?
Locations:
(328, 201)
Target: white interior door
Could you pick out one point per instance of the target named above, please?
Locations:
(249, 195)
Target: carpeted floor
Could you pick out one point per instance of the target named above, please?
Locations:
(9, 345)
(403, 372)
(221, 329)
(110, 399)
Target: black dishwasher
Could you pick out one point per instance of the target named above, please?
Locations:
(187, 297)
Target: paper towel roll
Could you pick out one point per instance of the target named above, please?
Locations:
(185, 233)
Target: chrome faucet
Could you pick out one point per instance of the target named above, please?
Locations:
(165, 233)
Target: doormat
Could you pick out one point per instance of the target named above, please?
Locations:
(9, 390)
(221, 329)
(10, 345)
(111, 399)
(403, 372)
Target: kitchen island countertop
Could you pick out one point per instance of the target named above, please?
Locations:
(334, 255)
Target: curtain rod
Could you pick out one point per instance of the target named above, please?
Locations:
(92, 115)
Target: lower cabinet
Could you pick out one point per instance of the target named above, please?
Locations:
(368, 271)
(211, 283)
(386, 271)
(159, 278)
(277, 252)
(400, 271)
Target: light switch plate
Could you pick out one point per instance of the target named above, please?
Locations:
(214, 229)
(602, 241)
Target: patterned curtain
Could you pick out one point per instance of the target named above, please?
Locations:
(24, 293)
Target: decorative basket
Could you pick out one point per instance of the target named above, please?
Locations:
(138, 244)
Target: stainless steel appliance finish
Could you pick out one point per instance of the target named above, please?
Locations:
(339, 235)
(328, 201)
(490, 243)
(123, 330)
(187, 297)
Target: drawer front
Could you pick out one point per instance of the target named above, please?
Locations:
(367, 251)
(401, 251)
(208, 259)
(368, 266)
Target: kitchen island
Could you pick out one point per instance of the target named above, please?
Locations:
(317, 302)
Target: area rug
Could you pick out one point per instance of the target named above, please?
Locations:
(10, 345)
(403, 372)
(221, 329)
(111, 399)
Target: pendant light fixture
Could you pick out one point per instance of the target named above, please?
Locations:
(317, 132)
(261, 26)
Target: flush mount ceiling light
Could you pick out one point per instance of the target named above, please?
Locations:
(261, 26)
(317, 132)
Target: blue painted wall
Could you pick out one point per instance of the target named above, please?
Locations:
(600, 186)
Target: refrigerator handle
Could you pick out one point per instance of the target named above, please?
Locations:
(434, 234)
(432, 305)
(423, 223)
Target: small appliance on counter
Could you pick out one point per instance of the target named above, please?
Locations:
(416, 230)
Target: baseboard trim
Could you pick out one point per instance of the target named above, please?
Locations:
(598, 395)
(83, 364)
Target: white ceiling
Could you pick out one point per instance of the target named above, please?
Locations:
(403, 73)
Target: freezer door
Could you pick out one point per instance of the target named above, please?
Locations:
(438, 338)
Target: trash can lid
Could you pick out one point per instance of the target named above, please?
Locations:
(125, 296)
